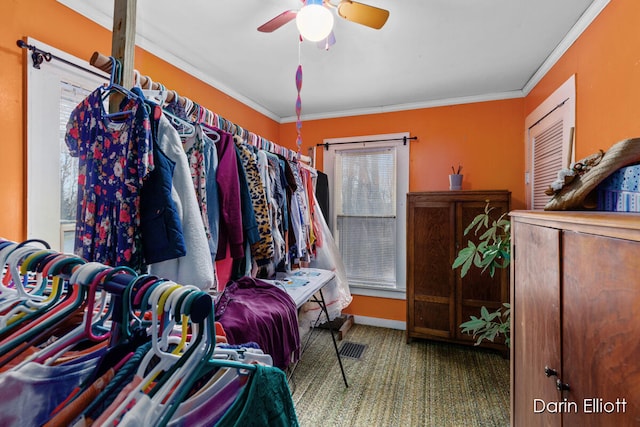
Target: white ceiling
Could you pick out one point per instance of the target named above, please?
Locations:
(430, 52)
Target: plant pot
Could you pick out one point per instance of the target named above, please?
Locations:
(455, 181)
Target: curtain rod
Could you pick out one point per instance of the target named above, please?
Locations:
(38, 56)
(546, 115)
(404, 140)
(103, 62)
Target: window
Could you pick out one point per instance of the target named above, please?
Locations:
(53, 91)
(549, 142)
(368, 182)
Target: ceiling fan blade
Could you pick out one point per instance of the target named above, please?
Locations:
(363, 14)
(278, 21)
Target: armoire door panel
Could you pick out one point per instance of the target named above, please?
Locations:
(432, 318)
(535, 324)
(433, 245)
(601, 311)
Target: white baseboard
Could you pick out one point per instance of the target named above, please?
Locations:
(382, 323)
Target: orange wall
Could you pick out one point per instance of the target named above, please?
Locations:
(606, 62)
(486, 138)
(50, 22)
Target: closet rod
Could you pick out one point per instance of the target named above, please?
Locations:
(103, 62)
(404, 140)
(38, 56)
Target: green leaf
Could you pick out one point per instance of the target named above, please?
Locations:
(474, 222)
(465, 258)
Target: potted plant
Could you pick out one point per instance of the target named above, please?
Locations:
(490, 253)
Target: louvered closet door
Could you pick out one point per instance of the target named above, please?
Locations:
(548, 139)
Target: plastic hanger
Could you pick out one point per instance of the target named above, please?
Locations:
(204, 365)
(72, 301)
(13, 320)
(4, 253)
(114, 87)
(157, 96)
(94, 318)
(184, 128)
(166, 359)
(23, 301)
(85, 331)
(211, 132)
(20, 282)
(18, 304)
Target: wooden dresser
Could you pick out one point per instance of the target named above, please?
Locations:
(575, 339)
(438, 300)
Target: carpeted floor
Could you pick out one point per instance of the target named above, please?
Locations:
(424, 383)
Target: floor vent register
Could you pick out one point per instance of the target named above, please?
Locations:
(352, 350)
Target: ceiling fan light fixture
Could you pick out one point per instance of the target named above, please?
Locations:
(314, 21)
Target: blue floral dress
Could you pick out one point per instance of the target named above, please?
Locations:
(114, 158)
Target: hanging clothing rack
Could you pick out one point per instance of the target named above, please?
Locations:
(104, 63)
(404, 140)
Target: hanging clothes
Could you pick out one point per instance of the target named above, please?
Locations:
(322, 192)
(299, 218)
(196, 267)
(161, 227)
(114, 158)
(262, 247)
(193, 146)
(213, 213)
(231, 230)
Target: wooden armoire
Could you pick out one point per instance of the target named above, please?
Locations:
(438, 299)
(575, 299)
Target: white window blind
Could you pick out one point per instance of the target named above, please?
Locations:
(549, 131)
(547, 161)
(70, 96)
(366, 214)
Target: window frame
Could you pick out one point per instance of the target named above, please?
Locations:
(396, 140)
(560, 104)
(43, 116)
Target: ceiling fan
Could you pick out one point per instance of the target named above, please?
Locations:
(315, 20)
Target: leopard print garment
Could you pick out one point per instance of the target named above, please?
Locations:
(262, 251)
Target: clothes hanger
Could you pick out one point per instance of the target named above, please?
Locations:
(23, 305)
(20, 282)
(24, 301)
(158, 96)
(184, 128)
(166, 359)
(49, 319)
(210, 131)
(204, 365)
(114, 87)
(8, 293)
(10, 321)
(92, 317)
(4, 253)
(128, 330)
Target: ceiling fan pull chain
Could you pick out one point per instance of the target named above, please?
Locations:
(299, 100)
